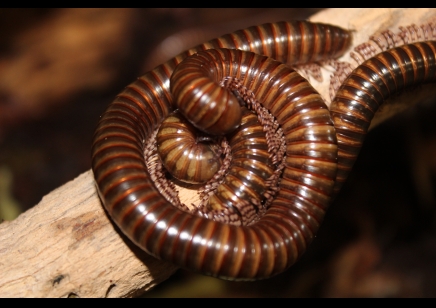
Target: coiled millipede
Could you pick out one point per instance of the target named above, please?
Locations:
(274, 242)
(236, 193)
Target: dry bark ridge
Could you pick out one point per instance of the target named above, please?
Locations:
(67, 246)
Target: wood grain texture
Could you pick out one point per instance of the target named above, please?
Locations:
(66, 246)
(68, 234)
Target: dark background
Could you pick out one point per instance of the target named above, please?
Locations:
(60, 68)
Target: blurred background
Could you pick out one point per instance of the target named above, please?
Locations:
(60, 68)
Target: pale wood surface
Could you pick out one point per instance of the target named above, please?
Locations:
(67, 246)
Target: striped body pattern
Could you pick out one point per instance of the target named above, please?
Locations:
(368, 86)
(237, 199)
(377, 43)
(274, 242)
(189, 157)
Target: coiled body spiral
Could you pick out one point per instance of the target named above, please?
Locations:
(278, 239)
(182, 151)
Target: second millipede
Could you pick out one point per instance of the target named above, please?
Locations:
(278, 239)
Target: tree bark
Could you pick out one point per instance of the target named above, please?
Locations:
(67, 246)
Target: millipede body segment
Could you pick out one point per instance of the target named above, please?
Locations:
(368, 86)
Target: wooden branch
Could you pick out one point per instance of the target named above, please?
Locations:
(67, 246)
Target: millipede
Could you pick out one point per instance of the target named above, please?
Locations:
(238, 188)
(250, 177)
(378, 43)
(368, 86)
(237, 197)
(277, 239)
